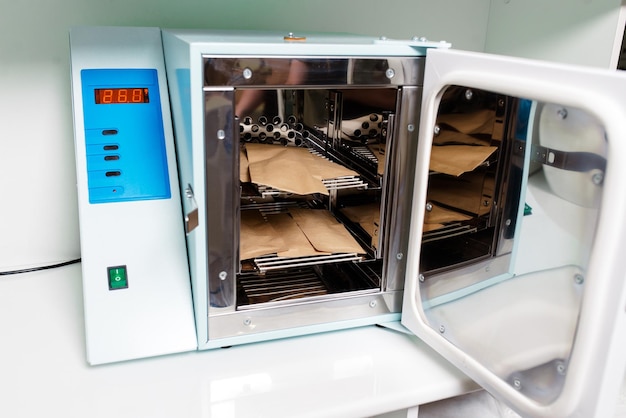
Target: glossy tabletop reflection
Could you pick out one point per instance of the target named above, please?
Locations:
(353, 373)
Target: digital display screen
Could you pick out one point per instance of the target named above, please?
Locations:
(122, 95)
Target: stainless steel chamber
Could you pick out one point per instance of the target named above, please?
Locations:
(297, 172)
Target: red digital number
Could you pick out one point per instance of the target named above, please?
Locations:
(106, 96)
(122, 95)
(137, 96)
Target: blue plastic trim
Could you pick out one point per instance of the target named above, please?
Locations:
(125, 143)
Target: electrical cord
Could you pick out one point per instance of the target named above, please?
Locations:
(47, 267)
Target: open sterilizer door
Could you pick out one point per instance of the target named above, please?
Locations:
(515, 268)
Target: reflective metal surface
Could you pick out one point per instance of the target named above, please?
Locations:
(347, 111)
(399, 180)
(302, 71)
(475, 179)
(222, 200)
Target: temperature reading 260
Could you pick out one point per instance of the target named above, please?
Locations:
(122, 95)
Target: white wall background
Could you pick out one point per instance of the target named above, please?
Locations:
(38, 213)
(572, 31)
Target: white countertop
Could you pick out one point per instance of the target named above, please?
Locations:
(354, 373)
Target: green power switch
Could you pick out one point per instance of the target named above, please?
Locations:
(117, 278)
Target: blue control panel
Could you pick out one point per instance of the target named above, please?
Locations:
(125, 141)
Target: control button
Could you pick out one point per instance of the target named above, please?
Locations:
(118, 278)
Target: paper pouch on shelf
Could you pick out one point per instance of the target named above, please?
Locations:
(379, 151)
(475, 128)
(258, 237)
(323, 169)
(297, 243)
(472, 123)
(431, 227)
(458, 159)
(324, 232)
(439, 216)
(472, 192)
(244, 172)
(367, 216)
(448, 137)
(291, 169)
